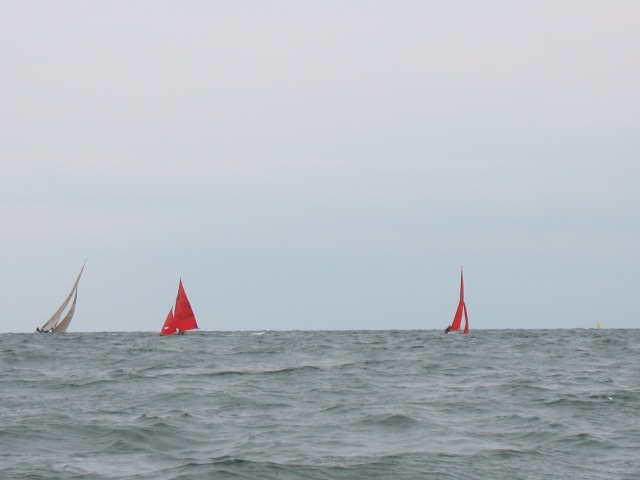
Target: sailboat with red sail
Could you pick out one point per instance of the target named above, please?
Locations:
(462, 309)
(181, 317)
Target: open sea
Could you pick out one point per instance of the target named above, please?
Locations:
(496, 404)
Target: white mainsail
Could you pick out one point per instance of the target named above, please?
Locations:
(64, 324)
(52, 324)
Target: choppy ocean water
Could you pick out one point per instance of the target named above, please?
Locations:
(496, 404)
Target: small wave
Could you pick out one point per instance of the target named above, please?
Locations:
(583, 440)
(511, 453)
(253, 371)
(575, 401)
(393, 421)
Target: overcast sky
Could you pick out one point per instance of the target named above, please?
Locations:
(321, 165)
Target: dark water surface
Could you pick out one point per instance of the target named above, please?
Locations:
(496, 404)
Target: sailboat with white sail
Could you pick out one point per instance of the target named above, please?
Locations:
(54, 324)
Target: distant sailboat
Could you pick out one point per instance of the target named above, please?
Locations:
(462, 308)
(181, 318)
(54, 324)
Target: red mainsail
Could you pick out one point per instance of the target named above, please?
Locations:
(185, 319)
(462, 309)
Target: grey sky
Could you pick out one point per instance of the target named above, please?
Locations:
(321, 165)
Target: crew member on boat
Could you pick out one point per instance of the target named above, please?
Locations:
(448, 329)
